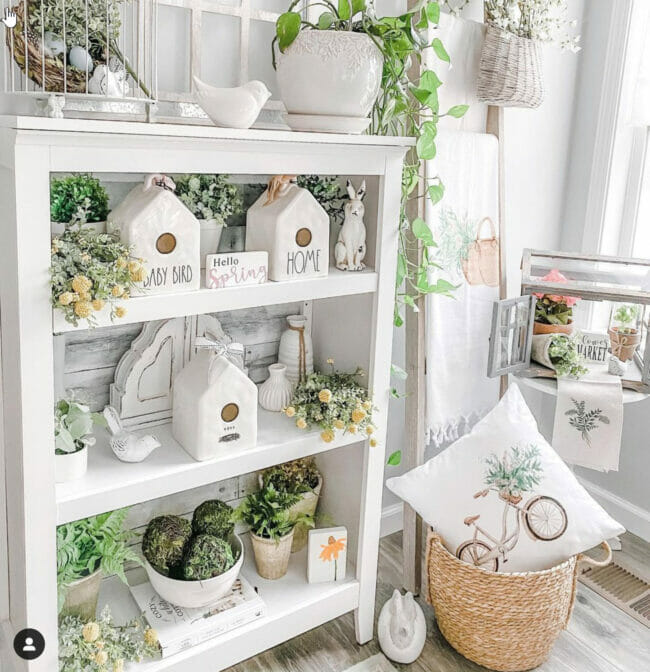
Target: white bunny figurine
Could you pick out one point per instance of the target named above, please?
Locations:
(127, 446)
(350, 248)
(401, 628)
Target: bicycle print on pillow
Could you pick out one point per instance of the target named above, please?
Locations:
(518, 471)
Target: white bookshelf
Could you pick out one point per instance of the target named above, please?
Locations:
(351, 314)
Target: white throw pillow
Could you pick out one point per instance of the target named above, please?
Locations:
(502, 498)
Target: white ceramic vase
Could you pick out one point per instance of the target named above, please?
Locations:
(71, 466)
(276, 391)
(210, 238)
(330, 72)
(296, 349)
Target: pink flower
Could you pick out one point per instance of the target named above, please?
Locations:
(556, 276)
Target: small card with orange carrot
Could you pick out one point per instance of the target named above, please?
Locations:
(328, 552)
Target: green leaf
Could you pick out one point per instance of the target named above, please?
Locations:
(457, 111)
(433, 12)
(287, 29)
(398, 372)
(395, 459)
(429, 81)
(422, 231)
(436, 192)
(325, 20)
(426, 146)
(402, 269)
(398, 321)
(440, 51)
(410, 301)
(344, 8)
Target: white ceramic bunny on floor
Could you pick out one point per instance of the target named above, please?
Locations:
(350, 248)
(401, 628)
(127, 446)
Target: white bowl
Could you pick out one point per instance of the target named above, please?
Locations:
(194, 594)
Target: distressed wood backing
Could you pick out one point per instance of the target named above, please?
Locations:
(86, 360)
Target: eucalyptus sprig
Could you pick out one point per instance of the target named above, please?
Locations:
(407, 105)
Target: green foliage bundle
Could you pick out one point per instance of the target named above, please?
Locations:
(295, 477)
(90, 270)
(78, 199)
(73, 426)
(165, 543)
(564, 355)
(519, 470)
(98, 542)
(207, 557)
(328, 192)
(332, 401)
(102, 646)
(99, 21)
(407, 105)
(548, 311)
(585, 421)
(210, 196)
(213, 517)
(625, 317)
(267, 513)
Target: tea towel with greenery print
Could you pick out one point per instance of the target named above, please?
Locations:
(503, 499)
(589, 421)
(459, 393)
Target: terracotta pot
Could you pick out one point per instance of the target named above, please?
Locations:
(541, 328)
(272, 557)
(81, 597)
(624, 345)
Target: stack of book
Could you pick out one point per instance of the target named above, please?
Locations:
(180, 628)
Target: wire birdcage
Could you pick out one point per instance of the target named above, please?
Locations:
(86, 55)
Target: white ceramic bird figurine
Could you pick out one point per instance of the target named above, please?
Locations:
(127, 446)
(401, 629)
(237, 107)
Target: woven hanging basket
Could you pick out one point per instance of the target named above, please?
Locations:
(51, 74)
(510, 71)
(507, 622)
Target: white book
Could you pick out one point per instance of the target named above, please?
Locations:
(180, 628)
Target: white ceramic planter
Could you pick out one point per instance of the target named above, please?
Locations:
(328, 72)
(81, 596)
(59, 227)
(276, 391)
(195, 594)
(290, 348)
(70, 466)
(210, 237)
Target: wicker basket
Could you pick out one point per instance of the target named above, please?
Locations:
(510, 72)
(51, 74)
(507, 622)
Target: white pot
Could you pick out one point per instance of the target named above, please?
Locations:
(70, 466)
(210, 237)
(59, 227)
(290, 348)
(330, 72)
(276, 391)
(195, 594)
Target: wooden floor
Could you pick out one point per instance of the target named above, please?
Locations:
(600, 637)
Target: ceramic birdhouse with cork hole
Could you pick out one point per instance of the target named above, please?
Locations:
(291, 225)
(161, 231)
(214, 403)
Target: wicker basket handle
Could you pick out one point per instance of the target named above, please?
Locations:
(598, 563)
(480, 227)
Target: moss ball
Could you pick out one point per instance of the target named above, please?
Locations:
(207, 557)
(213, 517)
(165, 541)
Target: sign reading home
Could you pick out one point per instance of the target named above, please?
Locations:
(234, 269)
(592, 346)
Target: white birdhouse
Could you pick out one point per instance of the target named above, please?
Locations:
(214, 404)
(163, 232)
(290, 224)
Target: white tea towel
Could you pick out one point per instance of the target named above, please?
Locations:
(459, 393)
(589, 420)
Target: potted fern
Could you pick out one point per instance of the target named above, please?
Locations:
(271, 526)
(624, 330)
(85, 550)
(302, 478)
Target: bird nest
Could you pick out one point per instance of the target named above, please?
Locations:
(51, 74)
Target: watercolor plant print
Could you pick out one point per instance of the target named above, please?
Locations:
(585, 421)
(455, 234)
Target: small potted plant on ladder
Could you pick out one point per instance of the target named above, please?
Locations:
(624, 330)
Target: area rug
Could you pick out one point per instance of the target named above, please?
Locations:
(378, 663)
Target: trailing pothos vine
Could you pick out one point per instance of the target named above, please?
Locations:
(405, 106)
